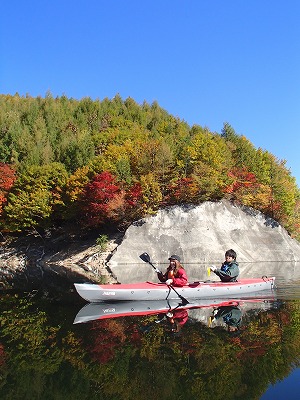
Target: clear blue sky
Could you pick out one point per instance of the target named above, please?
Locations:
(206, 62)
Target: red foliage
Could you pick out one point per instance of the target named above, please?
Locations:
(7, 179)
(181, 191)
(2, 355)
(97, 197)
(103, 349)
(134, 195)
(108, 336)
(241, 179)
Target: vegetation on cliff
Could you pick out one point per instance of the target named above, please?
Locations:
(95, 163)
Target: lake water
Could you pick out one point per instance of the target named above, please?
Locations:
(246, 348)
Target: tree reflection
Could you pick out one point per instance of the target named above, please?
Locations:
(43, 355)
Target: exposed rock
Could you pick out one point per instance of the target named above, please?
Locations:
(44, 264)
(200, 235)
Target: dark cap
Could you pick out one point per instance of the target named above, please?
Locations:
(174, 257)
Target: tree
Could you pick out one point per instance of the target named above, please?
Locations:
(27, 209)
(228, 133)
(183, 190)
(244, 188)
(7, 179)
(152, 196)
(134, 203)
(102, 200)
(36, 196)
(73, 191)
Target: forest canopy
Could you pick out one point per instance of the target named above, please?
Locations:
(96, 163)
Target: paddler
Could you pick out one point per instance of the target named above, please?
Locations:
(229, 270)
(175, 274)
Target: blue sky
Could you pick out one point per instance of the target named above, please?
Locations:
(206, 62)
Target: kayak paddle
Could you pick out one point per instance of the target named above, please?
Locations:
(145, 257)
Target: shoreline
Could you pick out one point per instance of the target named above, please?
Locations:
(32, 262)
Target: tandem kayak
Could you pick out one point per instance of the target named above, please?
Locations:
(95, 293)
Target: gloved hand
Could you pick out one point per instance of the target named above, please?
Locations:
(169, 314)
(169, 282)
(213, 268)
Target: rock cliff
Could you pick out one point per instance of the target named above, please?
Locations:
(200, 235)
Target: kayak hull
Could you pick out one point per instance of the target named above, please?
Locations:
(95, 293)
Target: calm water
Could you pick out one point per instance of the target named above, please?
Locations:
(223, 349)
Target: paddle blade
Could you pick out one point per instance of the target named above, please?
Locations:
(145, 257)
(184, 301)
(208, 271)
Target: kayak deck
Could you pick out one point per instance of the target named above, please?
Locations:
(160, 291)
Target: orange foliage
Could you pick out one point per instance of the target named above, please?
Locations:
(241, 178)
(7, 179)
(184, 190)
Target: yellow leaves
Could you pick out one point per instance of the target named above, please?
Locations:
(209, 149)
(27, 209)
(259, 198)
(76, 183)
(152, 195)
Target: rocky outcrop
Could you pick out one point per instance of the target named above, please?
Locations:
(200, 235)
(54, 263)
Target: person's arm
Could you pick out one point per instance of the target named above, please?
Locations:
(231, 272)
(181, 278)
(162, 277)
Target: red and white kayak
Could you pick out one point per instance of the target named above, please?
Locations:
(95, 293)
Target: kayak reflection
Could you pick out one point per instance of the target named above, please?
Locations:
(211, 312)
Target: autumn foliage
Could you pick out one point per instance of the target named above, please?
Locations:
(7, 179)
(103, 199)
(114, 161)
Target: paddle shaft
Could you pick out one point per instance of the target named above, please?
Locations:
(170, 286)
(156, 269)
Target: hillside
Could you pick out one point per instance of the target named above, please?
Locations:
(93, 164)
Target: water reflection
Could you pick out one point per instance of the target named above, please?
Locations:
(122, 351)
(175, 314)
(230, 315)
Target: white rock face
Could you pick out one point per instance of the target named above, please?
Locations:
(200, 235)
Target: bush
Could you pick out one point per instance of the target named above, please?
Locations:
(102, 241)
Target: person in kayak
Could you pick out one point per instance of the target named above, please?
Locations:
(175, 274)
(229, 270)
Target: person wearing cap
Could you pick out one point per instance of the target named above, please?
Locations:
(175, 274)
